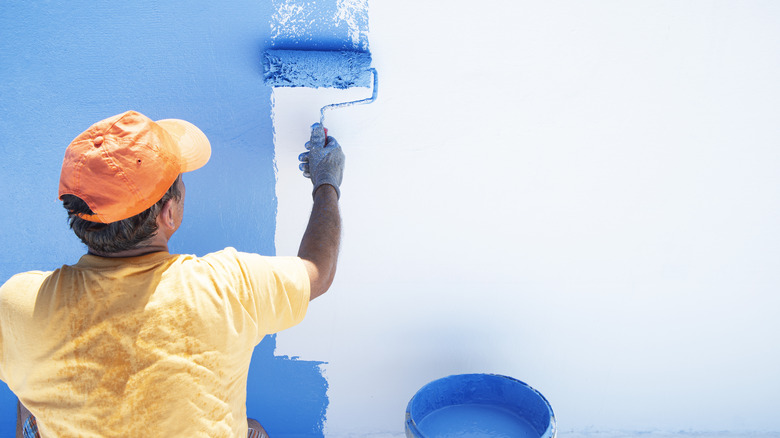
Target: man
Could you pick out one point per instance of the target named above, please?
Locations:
(133, 341)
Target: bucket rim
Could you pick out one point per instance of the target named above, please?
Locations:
(413, 431)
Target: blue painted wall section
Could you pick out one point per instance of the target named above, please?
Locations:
(320, 25)
(294, 393)
(67, 64)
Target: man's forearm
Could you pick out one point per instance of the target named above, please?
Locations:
(320, 243)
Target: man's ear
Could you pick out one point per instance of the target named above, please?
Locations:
(166, 217)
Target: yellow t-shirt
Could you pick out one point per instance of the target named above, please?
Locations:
(151, 346)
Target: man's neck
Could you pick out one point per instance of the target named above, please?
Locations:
(156, 243)
(135, 252)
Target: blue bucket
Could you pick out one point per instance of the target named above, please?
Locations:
(479, 405)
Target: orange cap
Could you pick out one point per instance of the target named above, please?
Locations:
(123, 165)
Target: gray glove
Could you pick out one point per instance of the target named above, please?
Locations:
(324, 161)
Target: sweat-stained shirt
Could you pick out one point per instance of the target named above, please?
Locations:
(151, 346)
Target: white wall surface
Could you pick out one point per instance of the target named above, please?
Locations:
(582, 195)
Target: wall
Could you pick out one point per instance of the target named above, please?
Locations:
(580, 195)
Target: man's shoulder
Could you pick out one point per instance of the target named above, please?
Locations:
(229, 254)
(23, 283)
(23, 278)
(225, 259)
(232, 259)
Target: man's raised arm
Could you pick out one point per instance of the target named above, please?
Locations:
(324, 164)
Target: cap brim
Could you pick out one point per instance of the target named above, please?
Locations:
(194, 145)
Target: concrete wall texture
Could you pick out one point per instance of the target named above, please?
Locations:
(583, 196)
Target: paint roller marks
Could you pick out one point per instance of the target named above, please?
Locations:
(320, 25)
(353, 15)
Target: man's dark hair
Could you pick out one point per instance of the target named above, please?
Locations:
(116, 236)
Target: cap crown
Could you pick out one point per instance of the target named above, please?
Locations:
(123, 165)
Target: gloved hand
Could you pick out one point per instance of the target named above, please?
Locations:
(324, 161)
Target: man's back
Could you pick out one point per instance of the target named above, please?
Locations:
(156, 345)
(133, 341)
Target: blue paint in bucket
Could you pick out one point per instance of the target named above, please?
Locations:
(479, 405)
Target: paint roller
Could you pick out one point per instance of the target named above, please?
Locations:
(321, 69)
